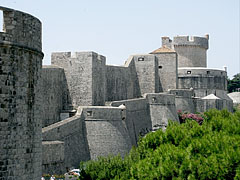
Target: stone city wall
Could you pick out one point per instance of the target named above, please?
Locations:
(106, 130)
(118, 83)
(138, 119)
(52, 94)
(53, 159)
(183, 100)
(72, 132)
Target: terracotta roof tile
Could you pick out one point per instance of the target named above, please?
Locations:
(162, 50)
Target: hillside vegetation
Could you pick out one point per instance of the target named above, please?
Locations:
(184, 151)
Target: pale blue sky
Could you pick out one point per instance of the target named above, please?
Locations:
(117, 29)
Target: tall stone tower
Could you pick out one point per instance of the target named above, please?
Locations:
(85, 78)
(20, 124)
(191, 50)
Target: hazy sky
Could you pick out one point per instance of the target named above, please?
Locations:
(117, 29)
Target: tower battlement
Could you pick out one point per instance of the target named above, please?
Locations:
(186, 41)
(191, 50)
(191, 41)
(21, 29)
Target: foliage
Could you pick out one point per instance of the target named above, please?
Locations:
(183, 116)
(234, 84)
(183, 151)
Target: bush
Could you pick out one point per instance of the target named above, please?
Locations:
(183, 151)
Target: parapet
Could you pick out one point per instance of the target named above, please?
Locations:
(186, 41)
(191, 71)
(21, 29)
(191, 41)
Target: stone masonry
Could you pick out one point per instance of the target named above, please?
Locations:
(20, 116)
(79, 108)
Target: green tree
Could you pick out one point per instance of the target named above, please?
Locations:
(234, 84)
(184, 151)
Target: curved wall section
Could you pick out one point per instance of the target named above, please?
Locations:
(20, 123)
(204, 81)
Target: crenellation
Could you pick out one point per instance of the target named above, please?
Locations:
(81, 108)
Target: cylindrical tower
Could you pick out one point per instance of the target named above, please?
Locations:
(20, 124)
(192, 51)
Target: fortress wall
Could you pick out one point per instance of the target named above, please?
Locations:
(167, 70)
(147, 73)
(106, 130)
(203, 105)
(72, 132)
(52, 94)
(118, 83)
(62, 60)
(134, 90)
(183, 99)
(137, 117)
(53, 159)
(98, 79)
(84, 76)
(162, 108)
(20, 116)
(204, 81)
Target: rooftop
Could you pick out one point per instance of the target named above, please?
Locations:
(162, 49)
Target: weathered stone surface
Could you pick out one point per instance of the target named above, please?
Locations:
(83, 82)
(20, 113)
(53, 159)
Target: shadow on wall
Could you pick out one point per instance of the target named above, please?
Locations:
(67, 99)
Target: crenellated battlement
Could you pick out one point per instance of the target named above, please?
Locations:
(186, 41)
(191, 41)
(21, 29)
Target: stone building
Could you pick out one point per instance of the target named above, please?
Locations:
(87, 108)
(116, 104)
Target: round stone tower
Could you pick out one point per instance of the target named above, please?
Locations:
(20, 123)
(191, 50)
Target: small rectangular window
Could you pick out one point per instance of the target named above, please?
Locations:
(189, 72)
(208, 72)
(160, 67)
(140, 59)
(89, 113)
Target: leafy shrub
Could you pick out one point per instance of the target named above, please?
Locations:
(183, 151)
(183, 116)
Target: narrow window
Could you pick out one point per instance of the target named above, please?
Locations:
(189, 72)
(154, 100)
(160, 67)
(89, 113)
(1, 21)
(140, 59)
